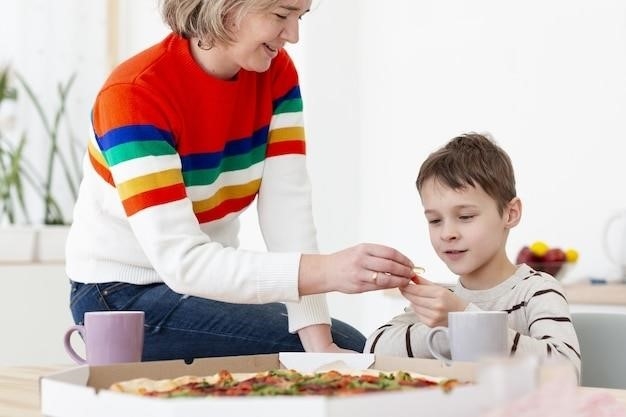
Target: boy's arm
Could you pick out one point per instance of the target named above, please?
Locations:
(548, 330)
(404, 336)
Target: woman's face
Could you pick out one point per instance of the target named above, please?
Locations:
(260, 35)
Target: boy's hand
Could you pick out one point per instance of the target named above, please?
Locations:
(432, 302)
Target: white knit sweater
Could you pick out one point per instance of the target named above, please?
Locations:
(156, 211)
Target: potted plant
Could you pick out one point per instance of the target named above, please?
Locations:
(20, 177)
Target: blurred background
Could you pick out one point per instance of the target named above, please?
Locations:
(384, 84)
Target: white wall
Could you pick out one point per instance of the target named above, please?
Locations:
(46, 42)
(545, 78)
(35, 315)
(386, 83)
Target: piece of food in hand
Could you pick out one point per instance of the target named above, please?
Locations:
(418, 270)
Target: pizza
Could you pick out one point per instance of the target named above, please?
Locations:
(282, 382)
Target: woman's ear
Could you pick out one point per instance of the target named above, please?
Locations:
(513, 213)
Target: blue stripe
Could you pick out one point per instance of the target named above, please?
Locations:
(236, 147)
(291, 94)
(133, 133)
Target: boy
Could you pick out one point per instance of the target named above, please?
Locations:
(468, 192)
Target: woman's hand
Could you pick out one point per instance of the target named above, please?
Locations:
(432, 302)
(333, 348)
(318, 338)
(361, 268)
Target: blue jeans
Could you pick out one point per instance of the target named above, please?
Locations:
(185, 327)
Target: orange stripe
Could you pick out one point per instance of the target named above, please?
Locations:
(228, 206)
(101, 170)
(145, 183)
(155, 197)
(285, 148)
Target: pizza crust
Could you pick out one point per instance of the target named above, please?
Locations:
(143, 385)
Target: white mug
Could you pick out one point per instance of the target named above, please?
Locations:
(472, 335)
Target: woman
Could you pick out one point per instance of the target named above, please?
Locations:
(186, 135)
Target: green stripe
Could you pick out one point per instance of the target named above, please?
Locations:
(133, 150)
(289, 106)
(231, 163)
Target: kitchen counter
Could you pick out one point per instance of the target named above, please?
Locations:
(610, 294)
(602, 294)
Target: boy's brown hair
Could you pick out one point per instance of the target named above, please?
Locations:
(468, 160)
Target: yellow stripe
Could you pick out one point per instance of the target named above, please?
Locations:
(96, 154)
(149, 182)
(226, 193)
(286, 133)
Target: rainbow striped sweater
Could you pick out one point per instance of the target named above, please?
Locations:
(175, 157)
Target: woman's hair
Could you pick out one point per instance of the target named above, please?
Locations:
(209, 20)
(468, 160)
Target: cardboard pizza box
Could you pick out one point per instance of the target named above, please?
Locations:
(81, 391)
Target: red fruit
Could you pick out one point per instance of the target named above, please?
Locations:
(554, 255)
(525, 256)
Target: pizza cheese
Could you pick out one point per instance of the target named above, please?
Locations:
(281, 382)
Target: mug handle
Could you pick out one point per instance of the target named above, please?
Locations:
(605, 240)
(429, 342)
(68, 345)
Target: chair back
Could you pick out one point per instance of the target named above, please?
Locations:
(602, 338)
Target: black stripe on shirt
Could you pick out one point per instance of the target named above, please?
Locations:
(573, 350)
(515, 342)
(378, 337)
(552, 345)
(549, 350)
(549, 290)
(555, 347)
(538, 293)
(532, 274)
(407, 338)
(516, 307)
(549, 318)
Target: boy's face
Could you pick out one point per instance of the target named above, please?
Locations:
(466, 230)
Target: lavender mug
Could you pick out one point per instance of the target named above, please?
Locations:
(110, 337)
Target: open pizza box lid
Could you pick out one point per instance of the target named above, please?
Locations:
(81, 391)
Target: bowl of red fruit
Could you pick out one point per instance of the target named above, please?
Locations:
(551, 260)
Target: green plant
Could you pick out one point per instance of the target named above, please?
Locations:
(11, 189)
(17, 171)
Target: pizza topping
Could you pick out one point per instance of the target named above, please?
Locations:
(282, 382)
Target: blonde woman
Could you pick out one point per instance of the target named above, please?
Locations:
(186, 135)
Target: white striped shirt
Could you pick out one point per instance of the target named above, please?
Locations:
(539, 320)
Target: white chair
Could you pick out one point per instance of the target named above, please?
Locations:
(602, 337)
